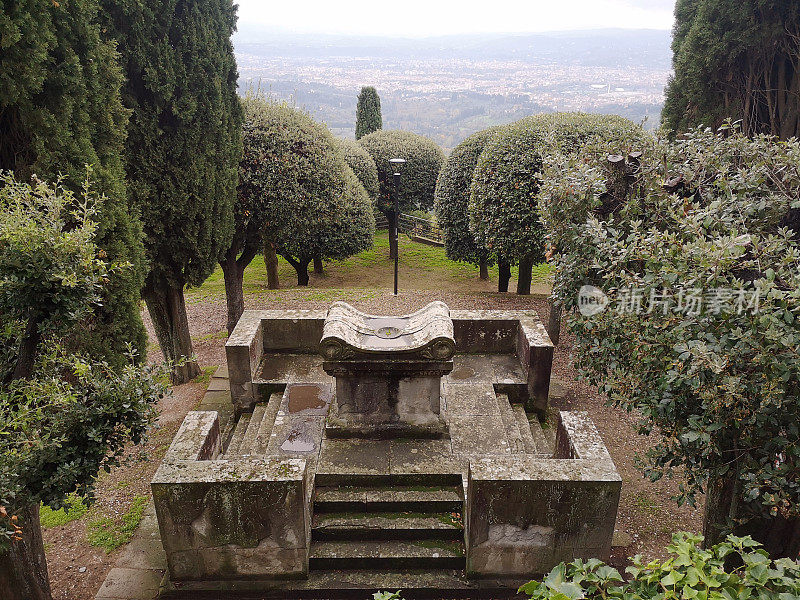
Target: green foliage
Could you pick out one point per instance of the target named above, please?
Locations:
(109, 535)
(368, 112)
(503, 211)
(387, 595)
(56, 120)
(49, 271)
(74, 508)
(706, 212)
(73, 419)
(735, 59)
(362, 164)
(452, 197)
(689, 572)
(184, 137)
(352, 232)
(311, 201)
(424, 160)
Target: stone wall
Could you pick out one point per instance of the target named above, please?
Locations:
(475, 331)
(243, 519)
(525, 515)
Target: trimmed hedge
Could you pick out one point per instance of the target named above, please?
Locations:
(503, 205)
(362, 165)
(424, 160)
(451, 200)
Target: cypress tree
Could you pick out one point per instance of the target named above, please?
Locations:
(368, 112)
(737, 59)
(183, 148)
(60, 110)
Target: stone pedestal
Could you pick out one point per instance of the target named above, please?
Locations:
(388, 371)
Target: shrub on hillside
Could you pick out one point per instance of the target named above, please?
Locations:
(735, 568)
(451, 200)
(503, 207)
(424, 160)
(699, 255)
(362, 164)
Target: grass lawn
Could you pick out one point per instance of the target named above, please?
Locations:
(422, 267)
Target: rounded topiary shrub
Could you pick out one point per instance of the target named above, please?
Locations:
(503, 205)
(296, 170)
(451, 200)
(362, 164)
(353, 231)
(424, 160)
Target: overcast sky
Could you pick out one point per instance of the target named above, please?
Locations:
(437, 17)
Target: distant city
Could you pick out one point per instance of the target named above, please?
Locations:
(447, 88)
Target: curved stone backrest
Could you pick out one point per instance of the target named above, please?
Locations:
(426, 334)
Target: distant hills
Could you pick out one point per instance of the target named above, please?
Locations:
(458, 84)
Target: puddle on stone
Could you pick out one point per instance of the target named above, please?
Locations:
(295, 442)
(462, 373)
(305, 397)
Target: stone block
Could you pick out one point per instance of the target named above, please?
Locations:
(220, 519)
(526, 514)
(535, 353)
(198, 438)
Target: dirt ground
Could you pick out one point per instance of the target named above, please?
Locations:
(647, 514)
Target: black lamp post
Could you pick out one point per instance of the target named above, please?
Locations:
(396, 164)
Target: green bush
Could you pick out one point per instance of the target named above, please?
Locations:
(296, 171)
(424, 160)
(503, 207)
(734, 569)
(368, 112)
(362, 164)
(61, 111)
(452, 198)
(701, 227)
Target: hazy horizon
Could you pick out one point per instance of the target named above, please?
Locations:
(421, 19)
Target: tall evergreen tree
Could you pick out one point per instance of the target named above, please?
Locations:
(183, 148)
(60, 110)
(736, 59)
(368, 112)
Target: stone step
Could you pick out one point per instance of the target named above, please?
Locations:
(261, 441)
(250, 434)
(387, 555)
(543, 438)
(338, 479)
(510, 424)
(528, 443)
(387, 526)
(238, 435)
(395, 499)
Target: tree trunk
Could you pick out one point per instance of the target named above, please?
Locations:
(23, 568)
(271, 262)
(167, 309)
(483, 265)
(318, 269)
(27, 350)
(524, 277)
(554, 322)
(302, 272)
(505, 275)
(392, 239)
(779, 536)
(234, 293)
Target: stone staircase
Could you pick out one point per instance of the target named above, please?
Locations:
(252, 431)
(525, 433)
(387, 523)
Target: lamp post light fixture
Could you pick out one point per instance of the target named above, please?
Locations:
(396, 164)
